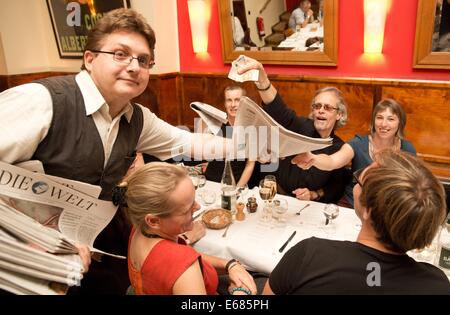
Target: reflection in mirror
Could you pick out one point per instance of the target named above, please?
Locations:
(432, 46)
(280, 31)
(441, 30)
(280, 25)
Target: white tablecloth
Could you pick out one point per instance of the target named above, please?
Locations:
(298, 39)
(256, 244)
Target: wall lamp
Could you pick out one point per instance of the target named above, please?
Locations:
(375, 12)
(199, 18)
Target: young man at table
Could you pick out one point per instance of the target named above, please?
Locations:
(86, 128)
(401, 206)
(242, 169)
(328, 112)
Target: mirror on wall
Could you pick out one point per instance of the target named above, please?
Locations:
(280, 31)
(432, 43)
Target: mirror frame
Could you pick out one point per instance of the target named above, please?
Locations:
(311, 58)
(424, 58)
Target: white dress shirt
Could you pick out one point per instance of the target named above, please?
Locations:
(26, 113)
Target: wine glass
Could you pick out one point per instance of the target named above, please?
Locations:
(270, 181)
(264, 191)
(279, 209)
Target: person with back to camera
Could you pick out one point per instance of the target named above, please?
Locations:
(86, 128)
(387, 127)
(328, 112)
(242, 170)
(401, 205)
(160, 199)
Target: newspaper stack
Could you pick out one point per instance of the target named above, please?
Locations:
(41, 219)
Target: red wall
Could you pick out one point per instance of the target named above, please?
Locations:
(396, 61)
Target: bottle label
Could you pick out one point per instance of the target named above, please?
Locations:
(444, 259)
(226, 202)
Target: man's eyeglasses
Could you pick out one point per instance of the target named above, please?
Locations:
(326, 107)
(124, 57)
(357, 175)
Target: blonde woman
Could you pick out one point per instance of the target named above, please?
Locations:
(160, 200)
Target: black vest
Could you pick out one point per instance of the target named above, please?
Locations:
(73, 148)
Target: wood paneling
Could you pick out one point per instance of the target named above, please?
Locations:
(427, 104)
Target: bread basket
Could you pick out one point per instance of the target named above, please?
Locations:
(217, 218)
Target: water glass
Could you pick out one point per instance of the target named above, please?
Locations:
(279, 209)
(194, 178)
(242, 192)
(201, 181)
(266, 214)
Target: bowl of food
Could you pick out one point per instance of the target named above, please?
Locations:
(217, 218)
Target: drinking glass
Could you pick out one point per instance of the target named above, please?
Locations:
(194, 178)
(266, 215)
(279, 209)
(242, 192)
(201, 181)
(264, 191)
(331, 211)
(270, 181)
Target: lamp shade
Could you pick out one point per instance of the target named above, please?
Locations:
(375, 12)
(199, 18)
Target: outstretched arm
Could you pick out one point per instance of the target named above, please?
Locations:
(246, 174)
(323, 161)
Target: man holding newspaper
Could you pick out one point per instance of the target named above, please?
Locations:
(328, 112)
(86, 128)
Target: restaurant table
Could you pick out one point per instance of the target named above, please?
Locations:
(297, 40)
(256, 243)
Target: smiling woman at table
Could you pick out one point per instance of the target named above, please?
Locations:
(401, 206)
(386, 131)
(160, 201)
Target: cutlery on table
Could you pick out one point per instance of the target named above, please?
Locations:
(304, 207)
(226, 231)
(287, 242)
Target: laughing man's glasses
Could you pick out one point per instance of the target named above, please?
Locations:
(124, 57)
(357, 175)
(326, 107)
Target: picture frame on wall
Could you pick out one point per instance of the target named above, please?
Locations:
(72, 20)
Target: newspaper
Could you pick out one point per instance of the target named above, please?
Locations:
(38, 167)
(40, 221)
(213, 117)
(251, 75)
(257, 136)
(76, 216)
